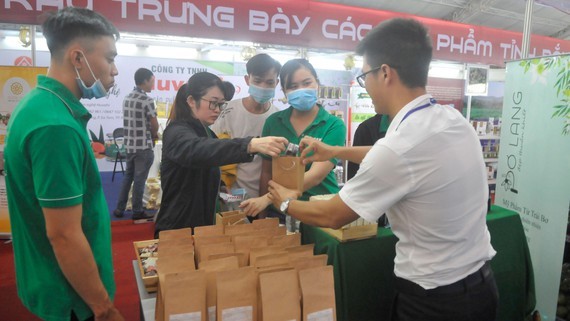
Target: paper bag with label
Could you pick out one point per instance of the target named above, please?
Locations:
(317, 289)
(167, 264)
(185, 296)
(288, 171)
(237, 295)
(212, 268)
(280, 296)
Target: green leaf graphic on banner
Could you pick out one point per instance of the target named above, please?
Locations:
(540, 67)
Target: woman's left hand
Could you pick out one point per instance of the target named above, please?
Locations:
(270, 145)
(254, 206)
(277, 193)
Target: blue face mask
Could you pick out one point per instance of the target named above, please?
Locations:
(261, 95)
(97, 90)
(302, 99)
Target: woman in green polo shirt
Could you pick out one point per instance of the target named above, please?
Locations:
(304, 117)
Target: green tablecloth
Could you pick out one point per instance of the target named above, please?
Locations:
(363, 269)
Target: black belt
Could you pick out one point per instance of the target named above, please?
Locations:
(478, 277)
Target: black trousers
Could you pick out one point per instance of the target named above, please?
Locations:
(74, 318)
(475, 298)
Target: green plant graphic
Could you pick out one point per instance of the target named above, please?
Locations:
(540, 67)
(101, 138)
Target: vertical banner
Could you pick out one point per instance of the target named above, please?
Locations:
(534, 164)
(15, 83)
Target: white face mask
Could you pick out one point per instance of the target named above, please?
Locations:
(97, 90)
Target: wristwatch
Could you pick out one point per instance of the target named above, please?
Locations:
(285, 205)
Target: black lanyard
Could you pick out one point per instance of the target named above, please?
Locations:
(430, 103)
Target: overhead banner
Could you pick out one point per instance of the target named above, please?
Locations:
(293, 23)
(533, 176)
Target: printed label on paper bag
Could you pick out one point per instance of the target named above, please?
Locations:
(193, 316)
(238, 314)
(212, 313)
(323, 315)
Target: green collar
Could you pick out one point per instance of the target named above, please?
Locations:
(77, 110)
(384, 124)
(284, 117)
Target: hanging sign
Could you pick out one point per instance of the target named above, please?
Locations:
(293, 23)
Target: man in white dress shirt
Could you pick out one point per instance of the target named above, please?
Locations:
(427, 174)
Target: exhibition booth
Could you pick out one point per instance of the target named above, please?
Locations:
(524, 149)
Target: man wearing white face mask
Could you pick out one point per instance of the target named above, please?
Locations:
(245, 117)
(58, 212)
(305, 117)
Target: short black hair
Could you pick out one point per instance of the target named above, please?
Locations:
(197, 86)
(289, 69)
(403, 44)
(261, 64)
(60, 28)
(142, 75)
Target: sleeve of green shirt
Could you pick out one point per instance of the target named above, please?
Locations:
(57, 159)
(335, 135)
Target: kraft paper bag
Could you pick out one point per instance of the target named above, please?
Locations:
(211, 239)
(201, 241)
(317, 290)
(243, 258)
(216, 248)
(185, 296)
(270, 222)
(237, 295)
(212, 267)
(267, 232)
(280, 296)
(288, 171)
(306, 250)
(244, 243)
(175, 234)
(256, 252)
(175, 243)
(302, 263)
(286, 240)
(209, 230)
(274, 259)
(168, 264)
(168, 251)
(238, 229)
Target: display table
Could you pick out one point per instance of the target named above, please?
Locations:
(147, 300)
(363, 269)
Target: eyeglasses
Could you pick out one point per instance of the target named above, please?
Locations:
(362, 78)
(213, 104)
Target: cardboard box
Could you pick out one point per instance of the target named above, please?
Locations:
(230, 218)
(150, 282)
(356, 230)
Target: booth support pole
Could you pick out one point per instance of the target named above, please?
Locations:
(527, 27)
(33, 39)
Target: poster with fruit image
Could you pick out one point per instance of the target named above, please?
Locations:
(15, 83)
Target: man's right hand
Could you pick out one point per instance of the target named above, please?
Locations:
(318, 150)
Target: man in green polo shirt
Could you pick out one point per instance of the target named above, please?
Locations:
(58, 213)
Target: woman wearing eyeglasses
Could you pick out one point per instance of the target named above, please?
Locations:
(305, 117)
(192, 154)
